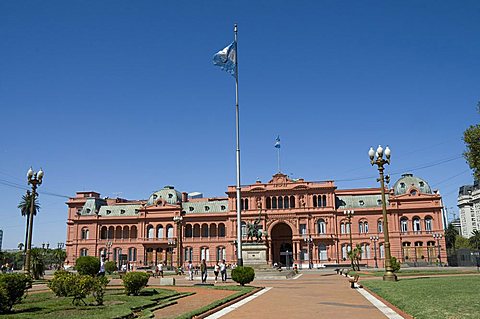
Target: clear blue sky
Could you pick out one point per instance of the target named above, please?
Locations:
(121, 97)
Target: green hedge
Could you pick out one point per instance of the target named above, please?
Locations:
(243, 275)
(134, 282)
(12, 289)
(87, 265)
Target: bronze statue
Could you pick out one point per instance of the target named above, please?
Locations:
(253, 229)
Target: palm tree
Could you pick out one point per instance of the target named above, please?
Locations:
(25, 207)
(450, 236)
(475, 239)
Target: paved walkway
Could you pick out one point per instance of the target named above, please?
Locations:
(312, 295)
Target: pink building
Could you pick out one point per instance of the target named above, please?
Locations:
(304, 221)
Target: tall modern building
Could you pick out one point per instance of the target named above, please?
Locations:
(1, 239)
(304, 222)
(469, 206)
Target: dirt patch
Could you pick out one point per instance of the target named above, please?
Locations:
(201, 298)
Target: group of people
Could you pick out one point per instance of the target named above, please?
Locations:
(220, 268)
(7, 268)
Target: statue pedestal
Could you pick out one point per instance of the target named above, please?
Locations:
(255, 255)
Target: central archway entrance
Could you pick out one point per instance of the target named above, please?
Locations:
(282, 247)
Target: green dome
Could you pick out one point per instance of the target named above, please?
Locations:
(169, 194)
(408, 181)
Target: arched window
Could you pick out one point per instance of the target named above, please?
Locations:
(104, 232)
(132, 254)
(246, 203)
(380, 226)
(360, 227)
(348, 228)
(221, 230)
(221, 253)
(188, 230)
(324, 200)
(213, 230)
(292, 201)
(381, 247)
(419, 250)
(404, 225)
(126, 232)
(286, 202)
(268, 202)
(188, 254)
(204, 230)
(150, 232)
(280, 202)
(169, 231)
(365, 226)
(365, 251)
(315, 204)
(102, 252)
(345, 249)
(321, 226)
(111, 231)
(322, 252)
(428, 223)
(342, 228)
(85, 233)
(133, 232)
(196, 230)
(160, 231)
(406, 250)
(116, 254)
(274, 202)
(416, 224)
(205, 254)
(244, 229)
(83, 252)
(118, 232)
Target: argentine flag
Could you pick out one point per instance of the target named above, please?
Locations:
(277, 142)
(227, 58)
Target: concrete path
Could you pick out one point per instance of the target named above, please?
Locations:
(312, 295)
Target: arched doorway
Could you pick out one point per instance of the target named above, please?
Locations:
(281, 244)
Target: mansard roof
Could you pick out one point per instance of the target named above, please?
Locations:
(207, 206)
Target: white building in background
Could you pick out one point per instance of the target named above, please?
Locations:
(469, 206)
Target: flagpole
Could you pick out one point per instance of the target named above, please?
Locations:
(237, 130)
(278, 157)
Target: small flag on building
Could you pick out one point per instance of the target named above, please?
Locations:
(277, 142)
(227, 58)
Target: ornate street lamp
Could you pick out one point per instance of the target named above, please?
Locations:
(374, 239)
(438, 237)
(376, 158)
(34, 179)
(349, 215)
(309, 241)
(109, 245)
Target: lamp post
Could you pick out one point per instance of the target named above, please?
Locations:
(171, 244)
(35, 179)
(374, 239)
(60, 245)
(437, 237)
(178, 221)
(376, 158)
(309, 241)
(109, 245)
(349, 215)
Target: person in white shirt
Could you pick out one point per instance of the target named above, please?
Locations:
(223, 270)
(190, 270)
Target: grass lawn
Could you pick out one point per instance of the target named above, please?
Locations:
(451, 297)
(46, 306)
(414, 272)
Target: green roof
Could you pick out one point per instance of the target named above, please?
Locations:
(359, 201)
(218, 206)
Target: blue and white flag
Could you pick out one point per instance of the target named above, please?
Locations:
(227, 58)
(277, 142)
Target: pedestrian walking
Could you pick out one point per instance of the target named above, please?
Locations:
(190, 270)
(223, 270)
(216, 271)
(101, 272)
(203, 270)
(160, 269)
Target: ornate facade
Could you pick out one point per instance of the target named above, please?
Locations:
(303, 221)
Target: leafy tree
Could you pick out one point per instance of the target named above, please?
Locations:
(395, 264)
(65, 284)
(450, 235)
(110, 267)
(25, 207)
(462, 242)
(87, 265)
(471, 137)
(356, 255)
(37, 257)
(475, 240)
